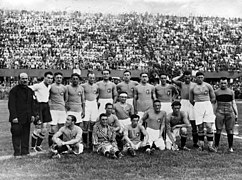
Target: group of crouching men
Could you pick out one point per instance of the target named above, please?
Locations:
(114, 120)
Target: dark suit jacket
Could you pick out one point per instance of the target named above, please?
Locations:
(20, 104)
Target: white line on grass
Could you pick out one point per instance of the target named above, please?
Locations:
(19, 157)
(235, 136)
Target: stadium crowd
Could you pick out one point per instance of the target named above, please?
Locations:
(64, 40)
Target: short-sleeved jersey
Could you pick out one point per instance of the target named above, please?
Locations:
(90, 91)
(144, 93)
(127, 87)
(202, 92)
(75, 98)
(224, 100)
(42, 92)
(165, 93)
(57, 93)
(154, 120)
(107, 90)
(69, 134)
(134, 134)
(123, 111)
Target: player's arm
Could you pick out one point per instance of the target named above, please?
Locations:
(115, 94)
(211, 94)
(94, 136)
(83, 103)
(126, 137)
(176, 81)
(144, 118)
(146, 136)
(77, 139)
(118, 88)
(185, 120)
(117, 126)
(153, 93)
(163, 124)
(135, 100)
(168, 128)
(131, 110)
(56, 138)
(65, 94)
(234, 105)
(191, 96)
(175, 92)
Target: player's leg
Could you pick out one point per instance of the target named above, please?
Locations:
(219, 122)
(229, 125)
(210, 135)
(53, 126)
(183, 134)
(160, 144)
(201, 136)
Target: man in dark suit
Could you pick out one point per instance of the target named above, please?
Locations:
(21, 112)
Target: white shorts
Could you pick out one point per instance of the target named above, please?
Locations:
(136, 146)
(175, 133)
(78, 115)
(140, 114)
(103, 102)
(188, 108)
(130, 101)
(91, 111)
(58, 117)
(154, 137)
(204, 112)
(124, 122)
(166, 106)
(78, 148)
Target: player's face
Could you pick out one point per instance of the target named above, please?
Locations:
(134, 122)
(187, 79)
(109, 109)
(223, 84)
(157, 106)
(200, 79)
(122, 98)
(91, 78)
(127, 76)
(104, 120)
(58, 79)
(48, 79)
(163, 79)
(176, 109)
(106, 75)
(144, 78)
(75, 80)
(68, 121)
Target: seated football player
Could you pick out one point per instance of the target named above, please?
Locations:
(72, 137)
(154, 120)
(104, 141)
(132, 136)
(176, 125)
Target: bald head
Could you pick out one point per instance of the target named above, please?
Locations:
(23, 79)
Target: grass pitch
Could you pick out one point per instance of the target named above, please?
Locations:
(162, 165)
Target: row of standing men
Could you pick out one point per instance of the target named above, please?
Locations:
(87, 101)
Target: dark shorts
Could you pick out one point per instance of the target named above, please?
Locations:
(227, 119)
(44, 112)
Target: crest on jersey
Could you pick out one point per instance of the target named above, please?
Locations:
(61, 93)
(159, 120)
(109, 90)
(148, 91)
(79, 93)
(137, 134)
(206, 92)
(132, 89)
(95, 91)
(168, 93)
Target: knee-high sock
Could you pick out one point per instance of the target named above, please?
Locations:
(40, 139)
(201, 137)
(34, 138)
(230, 140)
(50, 141)
(183, 140)
(217, 139)
(210, 138)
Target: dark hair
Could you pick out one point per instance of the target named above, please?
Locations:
(58, 73)
(144, 73)
(106, 70)
(108, 104)
(134, 116)
(157, 100)
(102, 115)
(127, 71)
(73, 118)
(199, 73)
(224, 78)
(48, 73)
(187, 73)
(176, 103)
(75, 74)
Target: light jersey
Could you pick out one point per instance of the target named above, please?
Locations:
(103, 134)
(154, 120)
(165, 93)
(176, 120)
(75, 98)
(90, 91)
(57, 93)
(134, 134)
(185, 89)
(201, 92)
(69, 134)
(224, 100)
(107, 90)
(144, 101)
(123, 111)
(127, 87)
(41, 91)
